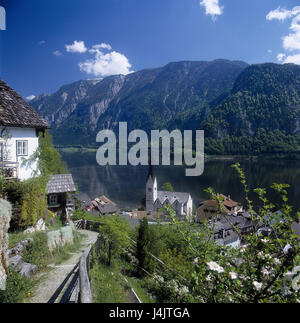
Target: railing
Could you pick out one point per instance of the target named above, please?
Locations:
(9, 169)
(82, 288)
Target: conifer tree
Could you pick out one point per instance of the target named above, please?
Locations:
(142, 251)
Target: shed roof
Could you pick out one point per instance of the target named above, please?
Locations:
(62, 183)
(15, 112)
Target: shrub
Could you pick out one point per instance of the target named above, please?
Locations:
(37, 252)
(29, 201)
(79, 214)
(17, 288)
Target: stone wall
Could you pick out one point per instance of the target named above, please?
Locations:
(61, 237)
(5, 216)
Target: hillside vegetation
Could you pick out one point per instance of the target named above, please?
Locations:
(243, 109)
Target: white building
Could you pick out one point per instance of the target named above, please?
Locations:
(182, 203)
(20, 125)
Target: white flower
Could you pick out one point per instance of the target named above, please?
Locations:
(215, 267)
(257, 285)
(196, 260)
(183, 290)
(159, 278)
(277, 261)
(208, 278)
(264, 240)
(265, 272)
(233, 275)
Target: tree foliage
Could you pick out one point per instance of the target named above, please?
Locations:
(115, 231)
(168, 187)
(255, 272)
(29, 199)
(142, 248)
(50, 161)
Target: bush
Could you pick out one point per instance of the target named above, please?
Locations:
(29, 201)
(17, 288)
(37, 252)
(79, 214)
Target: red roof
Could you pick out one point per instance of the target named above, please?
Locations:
(227, 202)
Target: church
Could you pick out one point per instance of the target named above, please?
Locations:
(182, 203)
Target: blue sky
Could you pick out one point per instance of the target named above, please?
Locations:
(48, 43)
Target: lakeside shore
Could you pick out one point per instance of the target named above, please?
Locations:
(291, 156)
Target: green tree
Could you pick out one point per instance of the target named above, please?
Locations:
(50, 161)
(115, 232)
(142, 248)
(255, 272)
(167, 187)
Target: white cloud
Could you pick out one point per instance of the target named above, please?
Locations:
(42, 42)
(105, 63)
(30, 97)
(57, 53)
(270, 51)
(280, 57)
(282, 14)
(102, 46)
(212, 8)
(290, 42)
(76, 47)
(293, 59)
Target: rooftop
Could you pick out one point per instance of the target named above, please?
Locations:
(62, 183)
(15, 112)
(105, 205)
(181, 197)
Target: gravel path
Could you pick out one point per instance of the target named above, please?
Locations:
(50, 281)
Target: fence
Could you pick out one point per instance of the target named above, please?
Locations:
(82, 291)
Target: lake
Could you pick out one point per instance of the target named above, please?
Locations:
(125, 185)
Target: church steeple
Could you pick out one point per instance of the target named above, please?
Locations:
(151, 189)
(151, 173)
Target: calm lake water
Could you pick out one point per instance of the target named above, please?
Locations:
(125, 185)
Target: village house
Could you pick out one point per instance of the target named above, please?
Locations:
(229, 230)
(59, 189)
(104, 205)
(20, 126)
(99, 206)
(210, 207)
(182, 203)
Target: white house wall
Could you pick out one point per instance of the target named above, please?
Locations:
(28, 134)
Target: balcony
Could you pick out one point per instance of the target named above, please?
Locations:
(9, 169)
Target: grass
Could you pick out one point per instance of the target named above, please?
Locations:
(15, 237)
(141, 293)
(107, 285)
(57, 224)
(64, 253)
(108, 282)
(17, 288)
(86, 216)
(37, 252)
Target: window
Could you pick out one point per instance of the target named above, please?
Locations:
(53, 199)
(22, 147)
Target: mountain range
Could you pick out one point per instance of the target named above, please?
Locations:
(242, 108)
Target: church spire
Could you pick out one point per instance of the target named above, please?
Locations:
(151, 172)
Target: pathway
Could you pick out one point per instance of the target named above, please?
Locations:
(50, 282)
